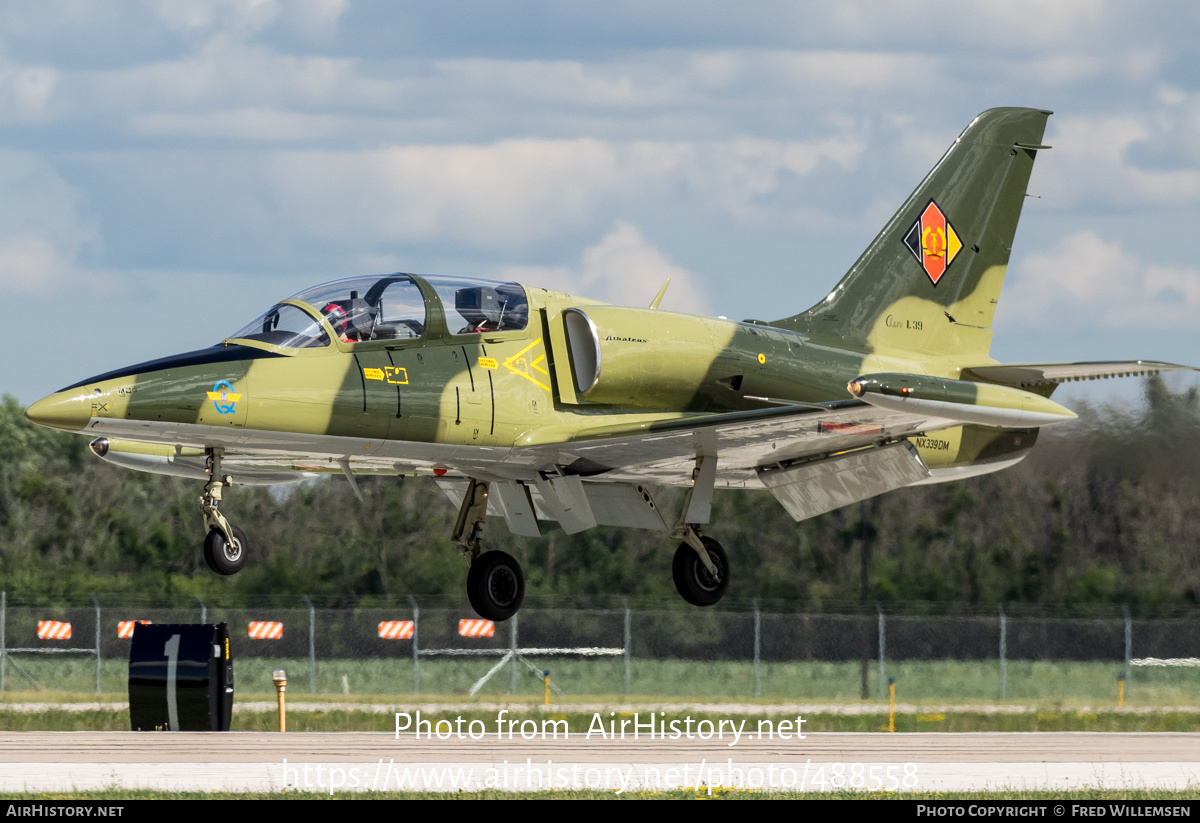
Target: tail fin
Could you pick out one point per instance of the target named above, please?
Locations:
(929, 282)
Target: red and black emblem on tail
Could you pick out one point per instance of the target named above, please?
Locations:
(933, 241)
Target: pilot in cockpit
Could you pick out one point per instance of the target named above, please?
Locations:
(337, 318)
(353, 319)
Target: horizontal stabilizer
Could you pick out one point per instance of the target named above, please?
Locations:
(1033, 375)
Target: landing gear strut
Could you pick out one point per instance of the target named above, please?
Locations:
(225, 544)
(495, 584)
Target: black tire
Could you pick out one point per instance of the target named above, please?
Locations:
(694, 582)
(220, 556)
(495, 585)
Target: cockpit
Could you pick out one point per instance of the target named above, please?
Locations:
(394, 307)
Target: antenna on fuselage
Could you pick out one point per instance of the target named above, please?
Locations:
(658, 297)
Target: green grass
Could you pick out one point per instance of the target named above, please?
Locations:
(1069, 683)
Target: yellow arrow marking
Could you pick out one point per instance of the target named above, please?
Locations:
(519, 365)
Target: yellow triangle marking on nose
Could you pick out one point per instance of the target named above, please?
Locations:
(519, 365)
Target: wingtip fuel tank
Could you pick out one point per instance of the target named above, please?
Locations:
(983, 403)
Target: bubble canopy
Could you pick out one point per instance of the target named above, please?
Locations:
(393, 307)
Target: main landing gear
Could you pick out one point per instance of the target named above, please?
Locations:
(700, 568)
(701, 579)
(495, 584)
(225, 544)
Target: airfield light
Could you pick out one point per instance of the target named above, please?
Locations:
(280, 678)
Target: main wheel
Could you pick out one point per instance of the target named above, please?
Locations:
(695, 583)
(495, 585)
(220, 556)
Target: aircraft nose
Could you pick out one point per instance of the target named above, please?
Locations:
(69, 411)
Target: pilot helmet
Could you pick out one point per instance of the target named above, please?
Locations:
(336, 316)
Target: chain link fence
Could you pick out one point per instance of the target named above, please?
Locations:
(421, 646)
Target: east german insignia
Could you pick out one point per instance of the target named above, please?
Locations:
(933, 241)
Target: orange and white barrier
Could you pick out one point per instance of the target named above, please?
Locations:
(125, 628)
(396, 629)
(474, 627)
(53, 630)
(266, 630)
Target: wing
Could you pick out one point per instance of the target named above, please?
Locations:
(811, 458)
(842, 451)
(742, 443)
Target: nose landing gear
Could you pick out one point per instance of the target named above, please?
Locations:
(222, 556)
(225, 544)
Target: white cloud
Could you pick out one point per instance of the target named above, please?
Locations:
(1091, 164)
(1028, 22)
(832, 73)
(26, 92)
(31, 264)
(244, 18)
(43, 234)
(514, 192)
(624, 268)
(226, 74)
(556, 80)
(314, 18)
(245, 124)
(203, 16)
(1088, 282)
(505, 194)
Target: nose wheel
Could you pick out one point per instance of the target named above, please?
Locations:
(222, 556)
(225, 544)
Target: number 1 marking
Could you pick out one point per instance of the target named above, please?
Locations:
(171, 650)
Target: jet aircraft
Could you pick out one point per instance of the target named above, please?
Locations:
(533, 405)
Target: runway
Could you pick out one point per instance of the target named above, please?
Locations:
(350, 761)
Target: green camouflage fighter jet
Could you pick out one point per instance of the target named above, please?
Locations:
(534, 405)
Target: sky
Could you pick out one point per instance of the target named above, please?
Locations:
(171, 168)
